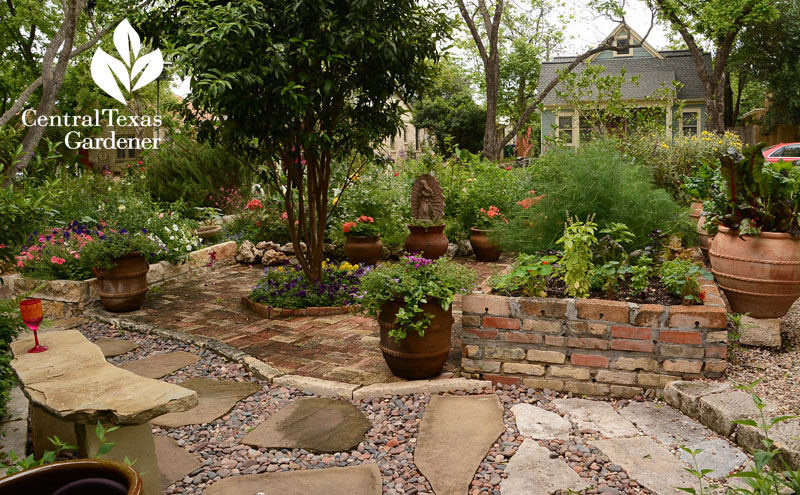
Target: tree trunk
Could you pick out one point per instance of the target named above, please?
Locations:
(52, 80)
(491, 146)
(728, 99)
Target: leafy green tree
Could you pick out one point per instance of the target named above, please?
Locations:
(448, 110)
(300, 84)
(767, 60)
(720, 22)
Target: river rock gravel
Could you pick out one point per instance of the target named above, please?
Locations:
(389, 443)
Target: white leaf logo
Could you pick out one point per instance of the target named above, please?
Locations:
(107, 70)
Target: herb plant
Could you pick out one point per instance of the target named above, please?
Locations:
(576, 260)
(681, 276)
(415, 281)
(528, 276)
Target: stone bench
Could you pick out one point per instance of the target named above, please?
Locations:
(71, 387)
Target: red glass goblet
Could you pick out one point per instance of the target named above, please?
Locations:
(31, 310)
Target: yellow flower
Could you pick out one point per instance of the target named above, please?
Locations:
(335, 202)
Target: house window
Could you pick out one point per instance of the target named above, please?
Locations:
(622, 40)
(565, 130)
(690, 122)
(585, 129)
(128, 153)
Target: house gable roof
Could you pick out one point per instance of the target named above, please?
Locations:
(634, 36)
(668, 66)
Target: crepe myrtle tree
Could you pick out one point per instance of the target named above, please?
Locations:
(300, 84)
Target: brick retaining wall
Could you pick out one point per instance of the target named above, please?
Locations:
(592, 346)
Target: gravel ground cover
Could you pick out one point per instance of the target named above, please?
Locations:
(780, 368)
(389, 443)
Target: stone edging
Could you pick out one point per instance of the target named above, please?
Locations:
(269, 312)
(277, 376)
(716, 406)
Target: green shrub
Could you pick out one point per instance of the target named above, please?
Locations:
(681, 276)
(196, 173)
(595, 180)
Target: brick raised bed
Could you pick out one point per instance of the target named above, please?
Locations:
(269, 312)
(66, 298)
(593, 346)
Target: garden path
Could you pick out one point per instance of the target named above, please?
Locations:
(336, 347)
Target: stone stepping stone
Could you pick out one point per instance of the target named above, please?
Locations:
(174, 463)
(666, 424)
(531, 471)
(161, 365)
(718, 411)
(539, 423)
(596, 415)
(216, 398)
(316, 425)
(454, 436)
(648, 463)
(115, 347)
(717, 454)
(364, 479)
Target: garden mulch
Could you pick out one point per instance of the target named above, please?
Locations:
(334, 347)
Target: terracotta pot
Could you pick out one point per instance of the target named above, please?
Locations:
(760, 276)
(124, 288)
(695, 209)
(415, 357)
(207, 231)
(429, 242)
(366, 249)
(703, 236)
(77, 477)
(483, 247)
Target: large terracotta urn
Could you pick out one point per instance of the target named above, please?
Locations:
(483, 247)
(759, 275)
(703, 236)
(366, 249)
(695, 209)
(415, 357)
(124, 287)
(76, 477)
(429, 242)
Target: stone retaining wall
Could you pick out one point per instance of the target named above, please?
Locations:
(593, 346)
(67, 298)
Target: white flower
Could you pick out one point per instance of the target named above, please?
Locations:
(188, 247)
(167, 229)
(174, 227)
(121, 208)
(172, 238)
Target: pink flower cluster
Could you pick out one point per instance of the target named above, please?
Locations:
(254, 204)
(67, 241)
(494, 212)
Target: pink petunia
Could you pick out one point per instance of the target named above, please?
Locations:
(57, 260)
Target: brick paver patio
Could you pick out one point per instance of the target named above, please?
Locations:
(340, 347)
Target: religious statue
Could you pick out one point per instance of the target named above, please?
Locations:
(427, 201)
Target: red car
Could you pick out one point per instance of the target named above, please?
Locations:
(788, 152)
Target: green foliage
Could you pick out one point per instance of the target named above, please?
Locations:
(681, 276)
(487, 185)
(576, 259)
(257, 225)
(757, 195)
(528, 276)
(672, 160)
(104, 253)
(414, 281)
(448, 110)
(641, 273)
(595, 180)
(696, 472)
(17, 464)
(765, 476)
(700, 184)
(195, 173)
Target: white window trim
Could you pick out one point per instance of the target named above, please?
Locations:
(696, 110)
(621, 36)
(574, 115)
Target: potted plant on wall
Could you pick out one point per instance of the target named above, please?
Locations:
(426, 231)
(120, 262)
(363, 243)
(755, 256)
(412, 301)
(699, 186)
(482, 245)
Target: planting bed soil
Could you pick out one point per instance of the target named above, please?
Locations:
(656, 293)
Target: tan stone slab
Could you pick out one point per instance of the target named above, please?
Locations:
(364, 479)
(316, 425)
(454, 436)
(215, 399)
(74, 382)
(115, 347)
(161, 365)
(173, 462)
(532, 472)
(648, 463)
(596, 415)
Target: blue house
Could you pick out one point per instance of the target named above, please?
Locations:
(684, 113)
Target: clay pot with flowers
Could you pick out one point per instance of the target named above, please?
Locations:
(412, 301)
(363, 243)
(482, 245)
(210, 221)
